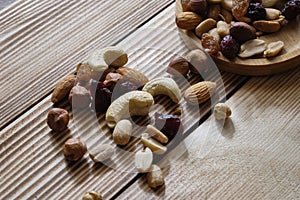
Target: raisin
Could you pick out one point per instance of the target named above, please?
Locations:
(210, 44)
(239, 8)
(256, 11)
(229, 47)
(170, 125)
(101, 96)
(291, 9)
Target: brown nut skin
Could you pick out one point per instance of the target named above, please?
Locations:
(242, 32)
(178, 66)
(63, 88)
(79, 97)
(188, 20)
(198, 6)
(92, 195)
(84, 73)
(58, 119)
(74, 149)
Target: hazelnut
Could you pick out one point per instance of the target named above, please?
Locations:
(111, 79)
(92, 195)
(198, 6)
(58, 119)
(178, 66)
(79, 97)
(221, 111)
(74, 149)
(155, 177)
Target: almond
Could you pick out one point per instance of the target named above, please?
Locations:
(200, 92)
(132, 75)
(63, 88)
(188, 20)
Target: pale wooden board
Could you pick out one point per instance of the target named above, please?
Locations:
(255, 157)
(32, 162)
(41, 41)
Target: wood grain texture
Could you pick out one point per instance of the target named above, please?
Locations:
(288, 59)
(41, 41)
(255, 156)
(32, 162)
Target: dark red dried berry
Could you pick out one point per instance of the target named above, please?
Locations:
(291, 9)
(256, 11)
(123, 87)
(170, 125)
(229, 47)
(101, 96)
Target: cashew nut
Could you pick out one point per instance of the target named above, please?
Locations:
(165, 86)
(129, 104)
(112, 56)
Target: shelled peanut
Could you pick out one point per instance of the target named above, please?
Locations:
(225, 25)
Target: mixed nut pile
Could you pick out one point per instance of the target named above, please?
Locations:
(105, 85)
(233, 26)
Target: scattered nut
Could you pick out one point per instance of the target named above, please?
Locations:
(227, 16)
(74, 149)
(200, 92)
(188, 20)
(267, 26)
(205, 26)
(251, 48)
(157, 134)
(272, 13)
(214, 12)
(122, 132)
(79, 97)
(101, 59)
(84, 73)
(178, 66)
(199, 61)
(152, 144)
(133, 76)
(58, 119)
(143, 160)
(273, 49)
(164, 86)
(242, 32)
(222, 28)
(155, 177)
(221, 111)
(129, 104)
(92, 195)
(102, 152)
(63, 88)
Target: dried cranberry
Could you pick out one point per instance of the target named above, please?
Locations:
(170, 125)
(101, 96)
(256, 11)
(291, 9)
(123, 87)
(229, 47)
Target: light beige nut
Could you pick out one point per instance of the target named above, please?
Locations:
(272, 13)
(155, 177)
(134, 103)
(214, 1)
(92, 195)
(199, 61)
(227, 16)
(133, 76)
(113, 56)
(178, 66)
(251, 48)
(267, 26)
(214, 32)
(122, 132)
(163, 86)
(281, 20)
(273, 49)
(101, 153)
(223, 28)
(227, 4)
(157, 134)
(200, 92)
(152, 144)
(214, 12)
(188, 20)
(269, 3)
(63, 88)
(222, 111)
(143, 160)
(80, 97)
(205, 26)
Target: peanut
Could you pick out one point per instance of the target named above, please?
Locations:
(205, 26)
(267, 26)
(273, 49)
(252, 47)
(222, 28)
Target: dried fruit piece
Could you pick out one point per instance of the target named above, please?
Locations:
(252, 47)
(155, 177)
(101, 96)
(63, 88)
(242, 32)
(205, 26)
(291, 9)
(229, 47)
(102, 152)
(188, 20)
(239, 8)
(123, 87)
(256, 11)
(210, 44)
(200, 92)
(143, 160)
(273, 49)
(74, 149)
(58, 119)
(170, 125)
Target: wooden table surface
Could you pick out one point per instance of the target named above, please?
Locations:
(254, 156)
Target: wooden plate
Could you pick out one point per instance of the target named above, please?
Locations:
(289, 57)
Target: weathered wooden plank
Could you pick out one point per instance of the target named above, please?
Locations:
(256, 156)
(41, 41)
